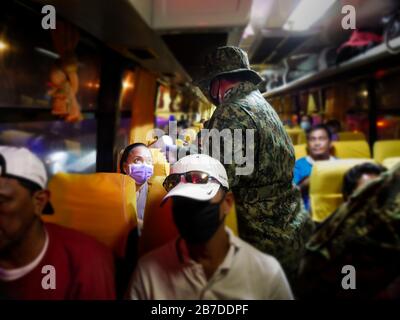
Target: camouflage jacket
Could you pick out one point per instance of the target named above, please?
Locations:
(269, 210)
(364, 233)
(245, 108)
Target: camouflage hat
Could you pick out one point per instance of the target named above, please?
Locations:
(226, 60)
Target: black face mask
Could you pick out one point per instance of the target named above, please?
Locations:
(197, 221)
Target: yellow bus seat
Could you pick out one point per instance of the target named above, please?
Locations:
(386, 149)
(158, 224)
(302, 138)
(300, 151)
(326, 182)
(350, 135)
(294, 134)
(351, 149)
(102, 205)
(341, 149)
(161, 165)
(389, 163)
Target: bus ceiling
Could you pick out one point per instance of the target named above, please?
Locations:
(171, 37)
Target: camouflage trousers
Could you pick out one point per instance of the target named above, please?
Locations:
(278, 226)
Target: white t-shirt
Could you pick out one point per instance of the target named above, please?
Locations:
(246, 273)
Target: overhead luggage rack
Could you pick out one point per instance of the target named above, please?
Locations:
(366, 61)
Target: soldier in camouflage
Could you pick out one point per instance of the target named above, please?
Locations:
(364, 233)
(269, 209)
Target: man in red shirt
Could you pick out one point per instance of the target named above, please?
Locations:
(38, 260)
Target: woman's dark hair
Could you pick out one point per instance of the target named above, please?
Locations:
(126, 153)
(350, 179)
(319, 127)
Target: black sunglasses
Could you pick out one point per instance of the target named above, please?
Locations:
(195, 177)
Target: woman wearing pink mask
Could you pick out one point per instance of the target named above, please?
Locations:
(136, 161)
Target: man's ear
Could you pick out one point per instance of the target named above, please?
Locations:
(227, 204)
(40, 199)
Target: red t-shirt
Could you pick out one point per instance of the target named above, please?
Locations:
(84, 270)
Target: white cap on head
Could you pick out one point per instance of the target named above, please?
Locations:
(201, 192)
(22, 163)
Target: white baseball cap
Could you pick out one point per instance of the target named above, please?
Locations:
(201, 192)
(20, 163)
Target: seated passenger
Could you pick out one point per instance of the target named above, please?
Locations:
(136, 161)
(207, 261)
(42, 260)
(358, 176)
(319, 144)
(306, 122)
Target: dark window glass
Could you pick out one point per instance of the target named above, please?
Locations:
(64, 147)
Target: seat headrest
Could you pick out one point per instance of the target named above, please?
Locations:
(326, 182)
(102, 205)
(351, 149)
(386, 149)
(352, 136)
(161, 166)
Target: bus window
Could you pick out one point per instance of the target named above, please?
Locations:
(63, 147)
(388, 120)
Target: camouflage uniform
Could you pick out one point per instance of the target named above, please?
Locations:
(268, 206)
(365, 233)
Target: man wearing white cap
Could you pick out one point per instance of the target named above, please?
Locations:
(207, 261)
(43, 261)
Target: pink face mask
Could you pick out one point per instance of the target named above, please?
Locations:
(219, 87)
(140, 172)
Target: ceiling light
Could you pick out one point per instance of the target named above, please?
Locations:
(3, 45)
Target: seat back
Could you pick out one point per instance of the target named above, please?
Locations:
(391, 162)
(386, 149)
(102, 205)
(350, 135)
(158, 225)
(161, 166)
(300, 151)
(326, 182)
(296, 134)
(341, 149)
(302, 138)
(351, 149)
